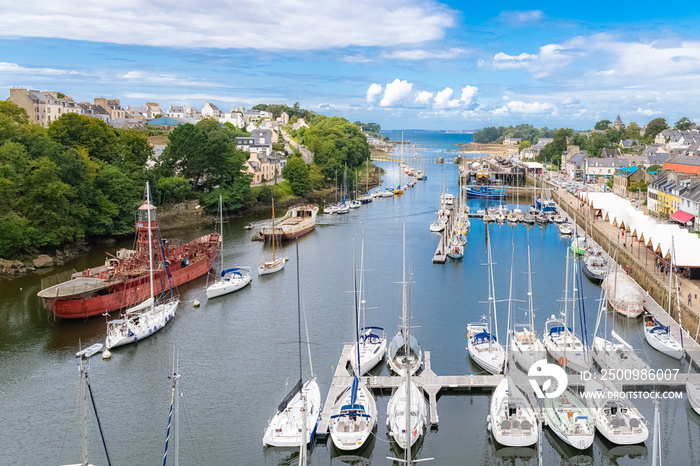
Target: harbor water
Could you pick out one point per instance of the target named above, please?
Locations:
(238, 354)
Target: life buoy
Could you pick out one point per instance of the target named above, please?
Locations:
(650, 323)
(562, 361)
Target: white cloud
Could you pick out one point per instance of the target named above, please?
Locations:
(422, 54)
(284, 25)
(645, 111)
(373, 93)
(521, 16)
(401, 93)
(146, 77)
(504, 61)
(468, 94)
(423, 98)
(396, 93)
(443, 99)
(6, 67)
(517, 106)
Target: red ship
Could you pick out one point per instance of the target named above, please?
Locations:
(123, 280)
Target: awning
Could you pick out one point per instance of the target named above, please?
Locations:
(682, 217)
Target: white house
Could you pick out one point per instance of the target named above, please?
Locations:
(210, 110)
(235, 118)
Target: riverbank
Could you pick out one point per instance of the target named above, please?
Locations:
(172, 217)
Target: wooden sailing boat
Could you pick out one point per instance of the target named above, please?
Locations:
(276, 264)
(232, 279)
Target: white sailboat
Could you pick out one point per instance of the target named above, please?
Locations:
(659, 335)
(570, 420)
(232, 279)
(354, 415)
(692, 386)
(276, 264)
(147, 318)
(617, 419)
(407, 411)
(404, 353)
(512, 419)
(560, 340)
(482, 341)
(295, 421)
(618, 355)
(372, 340)
(525, 347)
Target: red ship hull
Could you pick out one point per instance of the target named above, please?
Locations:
(185, 263)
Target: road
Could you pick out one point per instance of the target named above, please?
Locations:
(306, 154)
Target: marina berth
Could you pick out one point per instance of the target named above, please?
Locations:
(512, 420)
(616, 419)
(570, 420)
(623, 294)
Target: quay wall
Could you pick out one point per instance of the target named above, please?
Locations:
(634, 255)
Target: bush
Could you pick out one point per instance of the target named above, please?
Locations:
(174, 188)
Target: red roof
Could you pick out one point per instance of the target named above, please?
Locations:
(682, 217)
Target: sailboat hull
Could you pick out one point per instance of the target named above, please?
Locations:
(520, 428)
(285, 428)
(349, 431)
(269, 267)
(693, 391)
(663, 342)
(226, 286)
(147, 324)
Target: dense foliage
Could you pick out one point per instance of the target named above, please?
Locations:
(78, 177)
(495, 135)
(205, 154)
(336, 143)
(296, 171)
(293, 112)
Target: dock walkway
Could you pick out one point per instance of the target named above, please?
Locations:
(431, 384)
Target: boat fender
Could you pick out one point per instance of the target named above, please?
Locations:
(488, 426)
(650, 323)
(106, 354)
(562, 361)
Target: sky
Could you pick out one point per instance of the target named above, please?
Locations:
(405, 64)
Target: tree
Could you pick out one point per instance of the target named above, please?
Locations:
(523, 145)
(297, 173)
(684, 124)
(633, 131)
(335, 143)
(175, 188)
(602, 125)
(94, 134)
(654, 127)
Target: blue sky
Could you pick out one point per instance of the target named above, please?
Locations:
(403, 64)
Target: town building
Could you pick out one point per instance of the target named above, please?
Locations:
(683, 164)
(597, 167)
(210, 110)
(509, 141)
(618, 124)
(43, 107)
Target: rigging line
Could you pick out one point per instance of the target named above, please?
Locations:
(76, 401)
(185, 408)
(99, 424)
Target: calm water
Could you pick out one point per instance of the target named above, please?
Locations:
(238, 351)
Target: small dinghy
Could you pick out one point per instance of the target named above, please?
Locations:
(90, 351)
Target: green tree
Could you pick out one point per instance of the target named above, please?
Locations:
(297, 173)
(94, 134)
(654, 127)
(336, 142)
(633, 131)
(684, 124)
(602, 125)
(175, 188)
(523, 145)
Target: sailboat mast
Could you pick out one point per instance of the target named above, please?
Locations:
(670, 278)
(176, 413)
(403, 280)
(302, 446)
(529, 286)
(83, 413)
(221, 235)
(357, 321)
(273, 234)
(409, 432)
(150, 238)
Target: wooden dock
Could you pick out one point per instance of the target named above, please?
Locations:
(440, 256)
(432, 384)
